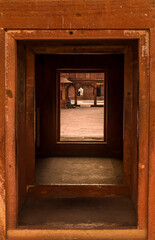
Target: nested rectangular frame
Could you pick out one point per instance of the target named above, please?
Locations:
(58, 104)
(11, 38)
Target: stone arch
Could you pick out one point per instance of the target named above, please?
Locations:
(71, 92)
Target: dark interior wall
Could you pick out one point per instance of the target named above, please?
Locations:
(25, 150)
(46, 97)
(134, 151)
(21, 123)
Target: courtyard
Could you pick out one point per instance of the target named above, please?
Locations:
(83, 123)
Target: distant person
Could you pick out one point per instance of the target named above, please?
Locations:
(69, 103)
(80, 91)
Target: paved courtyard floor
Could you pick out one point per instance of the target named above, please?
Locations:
(82, 123)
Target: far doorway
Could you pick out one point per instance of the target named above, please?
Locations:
(81, 105)
(79, 119)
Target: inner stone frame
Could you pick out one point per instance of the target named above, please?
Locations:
(90, 100)
(113, 66)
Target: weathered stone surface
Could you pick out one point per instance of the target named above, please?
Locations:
(2, 148)
(80, 14)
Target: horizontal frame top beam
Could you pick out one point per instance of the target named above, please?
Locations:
(76, 34)
(77, 14)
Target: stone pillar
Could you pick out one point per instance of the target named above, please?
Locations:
(75, 95)
(63, 93)
(66, 93)
(95, 95)
(63, 99)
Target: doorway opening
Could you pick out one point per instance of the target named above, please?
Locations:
(77, 172)
(81, 137)
(80, 93)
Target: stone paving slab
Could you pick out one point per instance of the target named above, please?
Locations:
(75, 170)
(78, 213)
(85, 124)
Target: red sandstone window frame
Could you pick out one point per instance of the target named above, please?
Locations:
(11, 37)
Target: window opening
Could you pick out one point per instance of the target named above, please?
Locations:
(82, 106)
